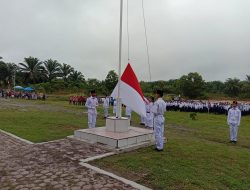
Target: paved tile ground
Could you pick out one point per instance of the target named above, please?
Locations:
(50, 166)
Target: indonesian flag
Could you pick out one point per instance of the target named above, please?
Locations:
(130, 92)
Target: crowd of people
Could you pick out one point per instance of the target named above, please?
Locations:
(206, 107)
(77, 100)
(22, 95)
(81, 100)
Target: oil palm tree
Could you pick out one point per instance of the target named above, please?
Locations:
(66, 70)
(32, 67)
(10, 71)
(2, 69)
(248, 78)
(232, 87)
(76, 76)
(52, 68)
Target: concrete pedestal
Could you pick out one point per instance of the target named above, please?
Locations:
(117, 134)
(134, 138)
(119, 125)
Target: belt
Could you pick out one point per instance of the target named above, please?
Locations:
(158, 115)
(148, 111)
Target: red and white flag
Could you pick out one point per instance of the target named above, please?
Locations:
(130, 92)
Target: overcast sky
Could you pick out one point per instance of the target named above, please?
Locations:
(211, 37)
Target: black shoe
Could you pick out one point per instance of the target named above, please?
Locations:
(159, 150)
(234, 142)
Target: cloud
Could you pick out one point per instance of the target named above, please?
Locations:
(209, 37)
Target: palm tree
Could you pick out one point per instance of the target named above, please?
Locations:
(232, 87)
(66, 70)
(246, 87)
(76, 76)
(32, 67)
(7, 73)
(52, 69)
(3, 71)
(248, 78)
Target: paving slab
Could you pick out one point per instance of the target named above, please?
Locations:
(53, 165)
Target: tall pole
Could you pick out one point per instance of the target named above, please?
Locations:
(146, 38)
(119, 107)
(14, 79)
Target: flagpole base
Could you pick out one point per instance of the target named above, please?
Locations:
(119, 125)
(134, 138)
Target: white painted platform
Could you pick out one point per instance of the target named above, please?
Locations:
(134, 137)
(114, 124)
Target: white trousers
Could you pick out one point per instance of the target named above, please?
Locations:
(149, 120)
(106, 112)
(114, 110)
(143, 119)
(159, 132)
(233, 132)
(91, 120)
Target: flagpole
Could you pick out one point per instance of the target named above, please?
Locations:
(119, 107)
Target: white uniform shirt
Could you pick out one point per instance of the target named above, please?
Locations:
(106, 103)
(149, 107)
(234, 116)
(91, 104)
(159, 107)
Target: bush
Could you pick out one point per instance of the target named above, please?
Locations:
(193, 116)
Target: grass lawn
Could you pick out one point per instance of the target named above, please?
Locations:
(197, 156)
(40, 121)
(39, 125)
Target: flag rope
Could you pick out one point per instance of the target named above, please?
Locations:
(146, 40)
(128, 31)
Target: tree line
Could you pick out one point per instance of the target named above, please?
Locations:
(193, 86)
(51, 76)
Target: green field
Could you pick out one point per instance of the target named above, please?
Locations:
(196, 156)
(40, 121)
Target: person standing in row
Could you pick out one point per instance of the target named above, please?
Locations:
(106, 106)
(128, 112)
(149, 115)
(143, 118)
(115, 107)
(158, 109)
(233, 120)
(91, 104)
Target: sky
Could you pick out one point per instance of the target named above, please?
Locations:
(210, 37)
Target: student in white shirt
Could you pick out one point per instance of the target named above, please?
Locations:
(233, 120)
(91, 104)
